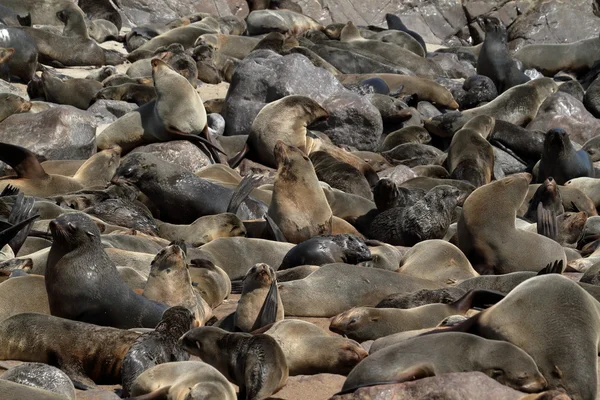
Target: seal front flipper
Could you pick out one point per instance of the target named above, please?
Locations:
(245, 187)
(546, 223)
(9, 190)
(553, 268)
(268, 311)
(23, 161)
(8, 234)
(274, 230)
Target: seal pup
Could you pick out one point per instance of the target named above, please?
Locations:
(41, 376)
(22, 63)
(470, 155)
(255, 363)
(326, 250)
(298, 219)
(211, 281)
(158, 346)
(83, 283)
(73, 92)
(33, 180)
(495, 244)
(160, 120)
(495, 61)
(369, 323)
(190, 380)
(548, 194)
(12, 104)
(170, 283)
(204, 229)
(561, 161)
(87, 353)
(523, 318)
(394, 22)
(260, 304)
(309, 350)
(431, 355)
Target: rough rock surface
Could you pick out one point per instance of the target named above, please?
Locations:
(179, 152)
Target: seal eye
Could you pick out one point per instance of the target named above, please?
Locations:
(352, 321)
(90, 234)
(72, 227)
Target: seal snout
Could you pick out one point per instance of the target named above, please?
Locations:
(536, 384)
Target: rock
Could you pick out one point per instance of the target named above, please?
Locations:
(506, 163)
(452, 386)
(555, 21)
(454, 68)
(591, 100)
(108, 111)
(101, 9)
(561, 110)
(18, 89)
(265, 76)
(179, 152)
(139, 12)
(59, 133)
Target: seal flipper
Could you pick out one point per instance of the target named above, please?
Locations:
(239, 157)
(268, 311)
(207, 147)
(274, 230)
(21, 211)
(546, 223)
(9, 190)
(245, 187)
(155, 395)
(553, 268)
(23, 161)
(8, 234)
(477, 298)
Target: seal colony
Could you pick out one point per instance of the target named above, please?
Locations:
(357, 217)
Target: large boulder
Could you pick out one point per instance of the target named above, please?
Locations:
(265, 76)
(179, 152)
(59, 133)
(138, 12)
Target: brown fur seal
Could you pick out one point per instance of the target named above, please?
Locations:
(130, 92)
(190, 380)
(470, 155)
(553, 58)
(169, 283)
(494, 243)
(211, 281)
(12, 104)
(255, 363)
(368, 323)
(335, 288)
(523, 317)
(310, 350)
(284, 21)
(32, 180)
(433, 355)
(518, 105)
(92, 286)
(159, 120)
(340, 175)
(158, 346)
(204, 229)
(561, 161)
(74, 92)
(298, 219)
(260, 304)
(87, 353)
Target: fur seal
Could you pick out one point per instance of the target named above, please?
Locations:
(335, 288)
(433, 355)
(22, 63)
(255, 363)
(283, 21)
(74, 92)
(518, 105)
(517, 319)
(304, 218)
(340, 175)
(32, 180)
(188, 380)
(326, 250)
(158, 346)
(91, 289)
(470, 155)
(422, 297)
(394, 22)
(549, 196)
(310, 350)
(23, 294)
(494, 59)
(495, 243)
(369, 323)
(561, 161)
(41, 376)
(158, 120)
(88, 354)
(350, 33)
(211, 281)
(12, 104)
(170, 283)
(129, 92)
(260, 304)
(204, 229)
(428, 218)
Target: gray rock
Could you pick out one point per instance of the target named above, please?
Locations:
(427, 110)
(216, 123)
(454, 68)
(108, 111)
(561, 110)
(59, 133)
(591, 100)
(179, 152)
(505, 164)
(265, 76)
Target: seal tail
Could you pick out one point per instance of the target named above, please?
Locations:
(478, 298)
(246, 186)
(420, 371)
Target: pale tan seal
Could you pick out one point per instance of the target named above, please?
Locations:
(204, 229)
(210, 281)
(23, 294)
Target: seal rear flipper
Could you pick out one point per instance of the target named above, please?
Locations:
(239, 157)
(243, 190)
(22, 210)
(477, 298)
(546, 223)
(553, 268)
(8, 234)
(9, 190)
(155, 395)
(268, 311)
(23, 161)
(274, 230)
(419, 371)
